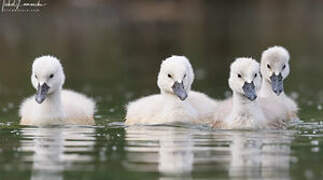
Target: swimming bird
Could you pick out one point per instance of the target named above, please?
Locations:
(275, 69)
(52, 105)
(176, 102)
(243, 110)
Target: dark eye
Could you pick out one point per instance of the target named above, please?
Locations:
(51, 76)
(268, 66)
(284, 66)
(239, 76)
(256, 75)
(170, 76)
(184, 75)
(36, 76)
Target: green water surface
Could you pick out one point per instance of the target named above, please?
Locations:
(112, 52)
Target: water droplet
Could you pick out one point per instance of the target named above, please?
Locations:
(315, 142)
(98, 116)
(315, 149)
(11, 105)
(309, 174)
(294, 95)
(319, 107)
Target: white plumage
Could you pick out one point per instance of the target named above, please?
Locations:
(176, 102)
(52, 105)
(244, 109)
(275, 61)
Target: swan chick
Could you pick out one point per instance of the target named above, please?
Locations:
(275, 69)
(176, 102)
(242, 110)
(51, 105)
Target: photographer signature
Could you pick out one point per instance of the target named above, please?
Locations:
(18, 6)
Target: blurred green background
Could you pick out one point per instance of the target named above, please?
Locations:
(111, 50)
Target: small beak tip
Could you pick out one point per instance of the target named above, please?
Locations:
(252, 98)
(183, 98)
(39, 101)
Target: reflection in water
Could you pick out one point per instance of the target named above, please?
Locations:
(164, 152)
(168, 149)
(260, 155)
(56, 149)
(48, 154)
(185, 153)
(176, 153)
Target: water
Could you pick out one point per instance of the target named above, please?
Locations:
(160, 152)
(114, 57)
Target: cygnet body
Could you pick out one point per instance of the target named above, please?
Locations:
(275, 69)
(52, 105)
(242, 110)
(176, 102)
(245, 109)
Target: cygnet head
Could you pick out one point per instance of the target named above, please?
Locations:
(47, 77)
(245, 77)
(176, 76)
(275, 67)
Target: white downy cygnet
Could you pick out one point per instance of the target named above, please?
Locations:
(51, 105)
(176, 102)
(275, 69)
(243, 109)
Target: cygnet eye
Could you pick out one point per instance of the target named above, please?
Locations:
(256, 75)
(170, 76)
(51, 76)
(239, 76)
(36, 76)
(284, 66)
(184, 75)
(268, 66)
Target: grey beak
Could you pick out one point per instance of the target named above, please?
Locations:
(277, 83)
(179, 90)
(41, 93)
(249, 90)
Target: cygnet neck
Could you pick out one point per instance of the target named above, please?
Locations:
(242, 103)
